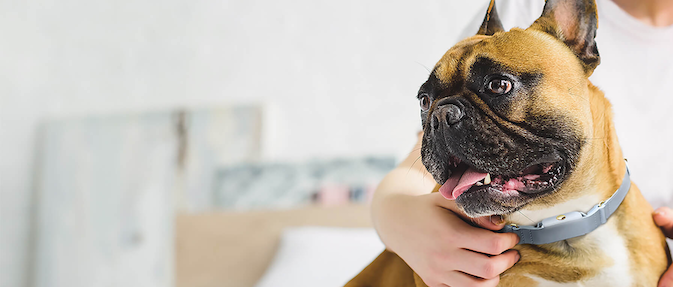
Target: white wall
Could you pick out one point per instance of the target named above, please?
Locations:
(340, 76)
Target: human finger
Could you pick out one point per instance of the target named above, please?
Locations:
(663, 217)
(666, 280)
(495, 222)
(488, 242)
(484, 266)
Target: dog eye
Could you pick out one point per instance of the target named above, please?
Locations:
(499, 86)
(425, 102)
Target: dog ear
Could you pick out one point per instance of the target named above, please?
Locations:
(574, 22)
(491, 23)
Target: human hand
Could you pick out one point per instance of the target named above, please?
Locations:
(663, 217)
(431, 235)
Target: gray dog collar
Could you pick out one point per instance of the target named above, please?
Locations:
(571, 224)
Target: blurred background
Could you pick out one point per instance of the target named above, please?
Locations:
(205, 143)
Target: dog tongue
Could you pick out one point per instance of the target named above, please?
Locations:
(460, 182)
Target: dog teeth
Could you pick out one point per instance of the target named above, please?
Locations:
(479, 183)
(487, 180)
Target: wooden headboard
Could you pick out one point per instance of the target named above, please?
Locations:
(234, 248)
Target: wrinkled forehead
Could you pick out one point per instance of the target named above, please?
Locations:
(455, 58)
(518, 51)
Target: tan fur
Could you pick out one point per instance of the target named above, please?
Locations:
(600, 168)
(633, 219)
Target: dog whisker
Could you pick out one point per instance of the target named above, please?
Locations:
(526, 217)
(426, 68)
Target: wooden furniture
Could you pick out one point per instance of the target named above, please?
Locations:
(233, 249)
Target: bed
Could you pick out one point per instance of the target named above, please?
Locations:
(305, 246)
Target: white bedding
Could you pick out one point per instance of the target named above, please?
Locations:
(321, 256)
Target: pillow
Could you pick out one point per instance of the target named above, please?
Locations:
(321, 256)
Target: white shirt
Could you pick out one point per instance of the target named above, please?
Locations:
(636, 74)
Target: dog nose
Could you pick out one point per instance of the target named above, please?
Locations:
(453, 114)
(448, 112)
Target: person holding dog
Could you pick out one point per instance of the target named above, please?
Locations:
(440, 243)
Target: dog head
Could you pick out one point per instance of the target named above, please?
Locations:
(505, 113)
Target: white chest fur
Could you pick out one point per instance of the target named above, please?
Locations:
(611, 243)
(605, 240)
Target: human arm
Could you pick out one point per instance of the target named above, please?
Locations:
(432, 236)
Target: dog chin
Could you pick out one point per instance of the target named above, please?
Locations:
(487, 202)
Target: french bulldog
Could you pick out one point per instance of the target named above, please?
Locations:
(512, 126)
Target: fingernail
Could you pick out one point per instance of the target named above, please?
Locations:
(660, 211)
(518, 256)
(497, 219)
